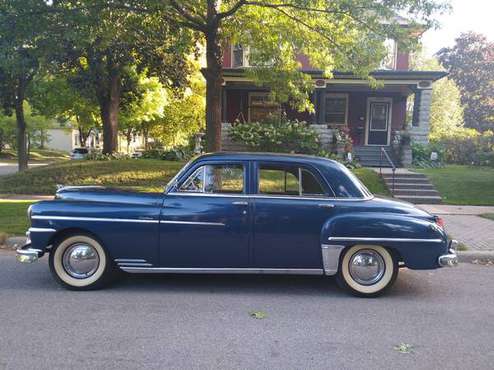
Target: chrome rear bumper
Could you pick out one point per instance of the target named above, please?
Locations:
(450, 259)
(26, 254)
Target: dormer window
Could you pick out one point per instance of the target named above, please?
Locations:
(389, 61)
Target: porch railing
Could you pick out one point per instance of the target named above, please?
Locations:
(385, 155)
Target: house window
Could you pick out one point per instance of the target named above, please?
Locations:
(261, 106)
(239, 56)
(336, 109)
(389, 61)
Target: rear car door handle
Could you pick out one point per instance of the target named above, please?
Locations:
(326, 205)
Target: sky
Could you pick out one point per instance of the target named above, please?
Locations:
(466, 15)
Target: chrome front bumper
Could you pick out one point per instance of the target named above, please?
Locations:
(26, 254)
(450, 259)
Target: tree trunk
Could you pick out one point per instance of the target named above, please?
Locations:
(22, 153)
(109, 114)
(214, 78)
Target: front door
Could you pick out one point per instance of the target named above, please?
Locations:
(378, 121)
(205, 222)
(291, 206)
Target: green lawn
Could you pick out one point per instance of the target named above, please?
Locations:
(139, 174)
(463, 185)
(45, 155)
(489, 216)
(372, 180)
(13, 217)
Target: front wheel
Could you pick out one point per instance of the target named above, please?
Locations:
(79, 262)
(367, 270)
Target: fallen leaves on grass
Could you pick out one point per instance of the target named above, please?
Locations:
(259, 315)
(404, 348)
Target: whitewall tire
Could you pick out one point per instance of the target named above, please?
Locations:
(367, 270)
(79, 262)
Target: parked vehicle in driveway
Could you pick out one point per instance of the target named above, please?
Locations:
(246, 213)
(79, 153)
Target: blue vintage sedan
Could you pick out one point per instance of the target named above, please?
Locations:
(246, 213)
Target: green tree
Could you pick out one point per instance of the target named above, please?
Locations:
(100, 47)
(183, 115)
(22, 43)
(341, 34)
(54, 97)
(471, 65)
(446, 108)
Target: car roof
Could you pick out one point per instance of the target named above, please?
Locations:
(259, 156)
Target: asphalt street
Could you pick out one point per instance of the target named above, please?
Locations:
(446, 318)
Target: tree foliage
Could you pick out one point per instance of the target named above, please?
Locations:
(102, 48)
(471, 65)
(340, 34)
(23, 41)
(446, 108)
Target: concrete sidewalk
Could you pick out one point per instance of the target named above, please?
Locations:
(464, 224)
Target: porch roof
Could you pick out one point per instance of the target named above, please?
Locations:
(388, 75)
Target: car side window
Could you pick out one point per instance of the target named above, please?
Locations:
(217, 179)
(288, 180)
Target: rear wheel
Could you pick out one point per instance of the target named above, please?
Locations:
(367, 270)
(79, 262)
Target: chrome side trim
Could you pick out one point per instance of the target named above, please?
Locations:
(136, 264)
(98, 219)
(41, 230)
(191, 223)
(331, 257)
(261, 196)
(201, 270)
(129, 260)
(405, 240)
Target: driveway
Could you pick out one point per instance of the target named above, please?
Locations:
(7, 168)
(203, 322)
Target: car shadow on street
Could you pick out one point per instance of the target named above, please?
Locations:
(244, 284)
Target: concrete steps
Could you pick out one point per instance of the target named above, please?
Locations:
(412, 187)
(370, 156)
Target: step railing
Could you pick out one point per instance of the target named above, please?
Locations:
(385, 155)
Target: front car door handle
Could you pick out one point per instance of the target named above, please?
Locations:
(326, 205)
(240, 203)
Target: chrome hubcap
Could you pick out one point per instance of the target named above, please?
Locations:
(80, 260)
(367, 267)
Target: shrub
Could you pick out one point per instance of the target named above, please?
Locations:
(467, 146)
(98, 156)
(177, 154)
(277, 135)
(421, 155)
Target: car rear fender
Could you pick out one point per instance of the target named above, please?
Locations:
(418, 242)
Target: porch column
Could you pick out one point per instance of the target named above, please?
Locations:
(421, 116)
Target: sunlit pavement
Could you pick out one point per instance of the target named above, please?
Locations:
(444, 317)
(7, 168)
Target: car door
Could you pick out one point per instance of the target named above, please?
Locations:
(204, 223)
(291, 205)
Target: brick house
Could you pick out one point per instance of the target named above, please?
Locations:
(375, 117)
